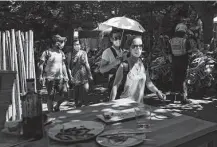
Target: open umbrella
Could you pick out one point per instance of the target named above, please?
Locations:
(104, 29)
(123, 23)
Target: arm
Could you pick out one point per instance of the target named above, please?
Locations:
(65, 74)
(68, 65)
(153, 88)
(41, 64)
(105, 66)
(117, 82)
(87, 65)
(64, 69)
(41, 67)
(150, 85)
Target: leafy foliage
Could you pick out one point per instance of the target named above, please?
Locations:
(48, 17)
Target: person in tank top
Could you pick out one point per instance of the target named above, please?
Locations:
(137, 78)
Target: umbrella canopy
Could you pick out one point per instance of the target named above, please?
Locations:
(124, 23)
(104, 28)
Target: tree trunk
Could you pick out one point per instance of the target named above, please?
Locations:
(207, 27)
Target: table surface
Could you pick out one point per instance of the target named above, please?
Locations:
(167, 130)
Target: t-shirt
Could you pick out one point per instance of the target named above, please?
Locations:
(108, 55)
(54, 64)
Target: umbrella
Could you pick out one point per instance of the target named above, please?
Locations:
(123, 23)
(104, 29)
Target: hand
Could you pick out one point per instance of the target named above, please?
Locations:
(71, 80)
(71, 83)
(120, 58)
(67, 85)
(41, 80)
(83, 62)
(91, 83)
(161, 95)
(65, 79)
(117, 61)
(90, 78)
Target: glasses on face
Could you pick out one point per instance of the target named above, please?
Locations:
(117, 38)
(60, 42)
(76, 44)
(137, 46)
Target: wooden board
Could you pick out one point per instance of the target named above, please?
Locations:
(119, 115)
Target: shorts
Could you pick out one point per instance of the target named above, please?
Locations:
(56, 85)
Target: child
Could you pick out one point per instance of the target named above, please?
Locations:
(79, 73)
(53, 69)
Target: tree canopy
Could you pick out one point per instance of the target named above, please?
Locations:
(49, 17)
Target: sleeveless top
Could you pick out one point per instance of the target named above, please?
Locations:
(135, 83)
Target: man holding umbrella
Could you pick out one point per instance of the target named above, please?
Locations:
(112, 57)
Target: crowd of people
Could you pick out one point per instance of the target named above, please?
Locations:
(126, 72)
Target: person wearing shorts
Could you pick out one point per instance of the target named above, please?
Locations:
(53, 72)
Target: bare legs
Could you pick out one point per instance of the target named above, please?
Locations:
(81, 94)
(50, 103)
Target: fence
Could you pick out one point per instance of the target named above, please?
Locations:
(17, 54)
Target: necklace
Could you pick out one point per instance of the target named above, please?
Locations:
(136, 64)
(138, 68)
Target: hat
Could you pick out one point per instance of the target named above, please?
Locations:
(181, 27)
(58, 38)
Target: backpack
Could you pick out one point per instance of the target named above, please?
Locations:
(121, 86)
(113, 70)
(178, 46)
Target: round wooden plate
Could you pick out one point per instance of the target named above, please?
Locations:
(94, 127)
(132, 140)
